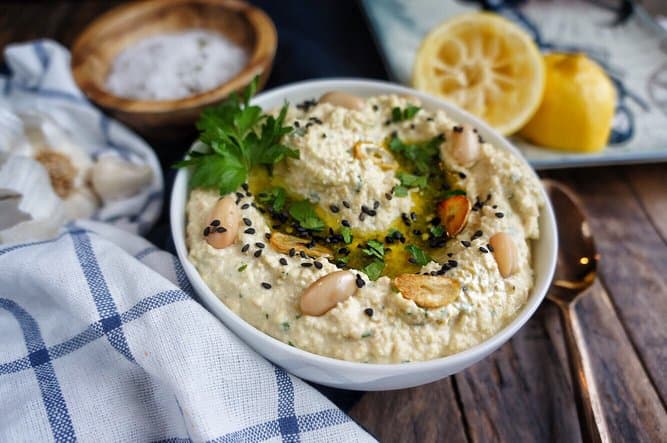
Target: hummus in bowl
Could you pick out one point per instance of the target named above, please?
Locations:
(405, 232)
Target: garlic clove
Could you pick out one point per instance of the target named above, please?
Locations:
(113, 178)
(81, 203)
(30, 209)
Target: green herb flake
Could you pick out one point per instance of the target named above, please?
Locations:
(285, 326)
(346, 232)
(421, 154)
(436, 231)
(418, 255)
(374, 248)
(453, 192)
(236, 136)
(374, 269)
(275, 197)
(412, 181)
(367, 334)
(401, 191)
(399, 115)
(242, 267)
(304, 212)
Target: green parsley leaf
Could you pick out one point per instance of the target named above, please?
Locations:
(242, 267)
(374, 269)
(398, 114)
(454, 192)
(422, 154)
(418, 255)
(237, 136)
(367, 334)
(346, 232)
(401, 191)
(275, 197)
(375, 248)
(411, 181)
(304, 212)
(285, 326)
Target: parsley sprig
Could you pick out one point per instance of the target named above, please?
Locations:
(422, 154)
(237, 136)
(398, 114)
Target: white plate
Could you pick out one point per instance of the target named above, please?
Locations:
(363, 376)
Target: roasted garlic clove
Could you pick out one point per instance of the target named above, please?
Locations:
(428, 291)
(453, 213)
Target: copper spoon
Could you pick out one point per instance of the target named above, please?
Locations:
(575, 273)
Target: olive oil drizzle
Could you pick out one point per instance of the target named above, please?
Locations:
(421, 227)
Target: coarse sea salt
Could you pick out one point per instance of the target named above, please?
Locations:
(173, 66)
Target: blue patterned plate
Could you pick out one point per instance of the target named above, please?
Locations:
(618, 34)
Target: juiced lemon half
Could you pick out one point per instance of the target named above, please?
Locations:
(485, 64)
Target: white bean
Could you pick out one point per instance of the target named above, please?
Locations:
(505, 253)
(465, 146)
(343, 99)
(226, 217)
(327, 292)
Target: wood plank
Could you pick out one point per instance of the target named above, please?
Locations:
(522, 391)
(633, 408)
(423, 414)
(649, 184)
(633, 263)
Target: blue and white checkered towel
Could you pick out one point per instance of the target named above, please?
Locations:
(101, 340)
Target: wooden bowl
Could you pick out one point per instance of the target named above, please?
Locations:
(162, 120)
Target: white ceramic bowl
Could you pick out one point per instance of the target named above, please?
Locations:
(363, 376)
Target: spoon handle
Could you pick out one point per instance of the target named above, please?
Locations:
(589, 409)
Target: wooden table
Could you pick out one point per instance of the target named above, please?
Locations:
(521, 392)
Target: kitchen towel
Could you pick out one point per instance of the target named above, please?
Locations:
(101, 338)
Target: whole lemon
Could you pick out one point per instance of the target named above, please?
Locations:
(577, 109)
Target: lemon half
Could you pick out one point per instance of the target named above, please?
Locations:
(485, 64)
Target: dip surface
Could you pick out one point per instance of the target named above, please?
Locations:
(377, 324)
(173, 66)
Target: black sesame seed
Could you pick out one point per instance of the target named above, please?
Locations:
(245, 247)
(247, 221)
(412, 126)
(346, 204)
(239, 195)
(482, 249)
(387, 122)
(452, 263)
(376, 204)
(267, 236)
(340, 264)
(207, 231)
(334, 208)
(462, 175)
(245, 186)
(368, 311)
(490, 248)
(477, 234)
(499, 214)
(257, 253)
(297, 124)
(362, 217)
(360, 281)
(266, 285)
(249, 231)
(345, 223)
(495, 206)
(245, 206)
(466, 243)
(417, 232)
(317, 264)
(429, 119)
(215, 222)
(283, 261)
(375, 107)
(413, 216)
(306, 264)
(260, 245)
(220, 229)
(324, 135)
(292, 252)
(457, 128)
(412, 260)
(303, 254)
(388, 196)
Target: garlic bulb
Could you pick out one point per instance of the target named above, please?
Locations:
(114, 178)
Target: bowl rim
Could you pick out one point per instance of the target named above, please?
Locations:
(259, 61)
(462, 358)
